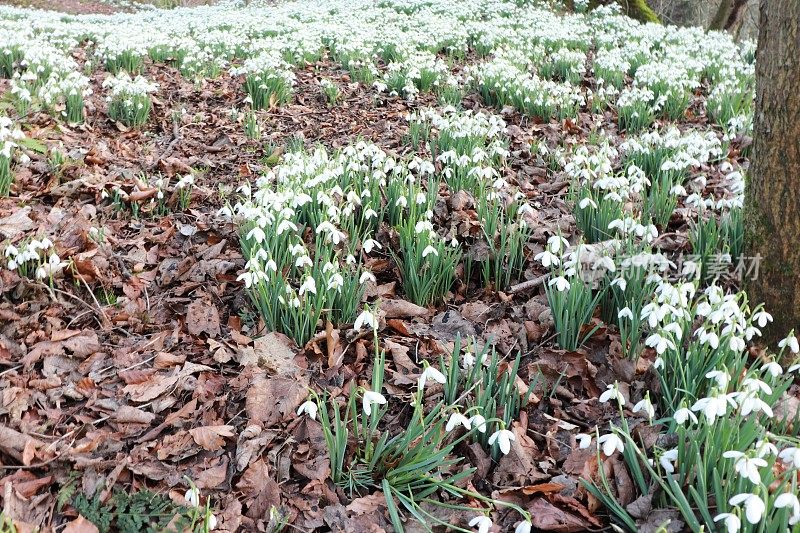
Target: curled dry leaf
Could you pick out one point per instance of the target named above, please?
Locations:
(210, 438)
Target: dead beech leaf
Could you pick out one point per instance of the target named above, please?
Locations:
(271, 352)
(16, 223)
(367, 504)
(271, 401)
(80, 525)
(158, 384)
(401, 309)
(127, 414)
(547, 517)
(260, 490)
(210, 438)
(202, 317)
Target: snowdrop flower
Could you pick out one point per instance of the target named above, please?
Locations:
(478, 422)
(667, 460)
(791, 456)
(731, 522)
(430, 250)
(773, 369)
(483, 523)
(309, 407)
(611, 443)
(753, 404)
(192, 497)
(523, 527)
(715, 406)
(762, 318)
(309, 285)
(547, 258)
(503, 437)
(369, 244)
(746, 466)
(645, 405)
(560, 283)
(612, 393)
(457, 419)
(660, 343)
(625, 313)
(371, 397)
(788, 499)
(366, 318)
(682, 415)
(430, 373)
(556, 242)
(791, 342)
(584, 440)
(587, 202)
(722, 378)
(366, 276)
(303, 261)
(753, 506)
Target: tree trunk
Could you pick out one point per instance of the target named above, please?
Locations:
(772, 198)
(728, 15)
(721, 16)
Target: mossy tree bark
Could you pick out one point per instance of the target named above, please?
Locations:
(728, 15)
(638, 9)
(772, 197)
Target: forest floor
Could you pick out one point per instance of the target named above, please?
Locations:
(141, 363)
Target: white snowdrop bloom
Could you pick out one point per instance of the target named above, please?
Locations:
(645, 405)
(586, 202)
(683, 414)
(612, 392)
(584, 440)
(556, 243)
(192, 497)
(482, 522)
(309, 285)
(625, 312)
(715, 406)
(746, 466)
(756, 386)
(610, 443)
(547, 258)
(660, 343)
(561, 284)
(457, 419)
(788, 499)
(477, 421)
(791, 342)
(257, 234)
(432, 374)
(308, 407)
(523, 527)
(366, 318)
(366, 276)
(303, 261)
(762, 318)
(721, 378)
(791, 456)
(667, 460)
(731, 522)
(773, 369)
(370, 244)
(753, 506)
(752, 404)
(370, 398)
(430, 250)
(503, 438)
